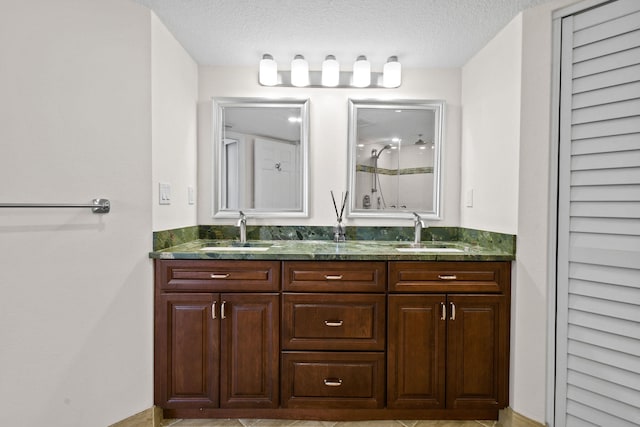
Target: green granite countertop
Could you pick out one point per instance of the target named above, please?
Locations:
(356, 250)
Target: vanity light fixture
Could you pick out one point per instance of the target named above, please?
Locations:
(392, 73)
(330, 72)
(299, 71)
(268, 71)
(361, 72)
(330, 76)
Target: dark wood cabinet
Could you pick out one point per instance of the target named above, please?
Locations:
(477, 351)
(334, 276)
(216, 350)
(350, 322)
(249, 351)
(341, 340)
(448, 350)
(331, 306)
(346, 380)
(187, 351)
(416, 352)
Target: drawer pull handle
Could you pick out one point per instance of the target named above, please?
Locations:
(443, 311)
(447, 276)
(333, 277)
(222, 314)
(213, 310)
(219, 276)
(333, 323)
(333, 382)
(453, 311)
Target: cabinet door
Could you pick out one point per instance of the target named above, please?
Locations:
(477, 351)
(416, 351)
(186, 351)
(249, 362)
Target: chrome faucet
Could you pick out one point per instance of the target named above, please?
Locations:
(242, 223)
(418, 225)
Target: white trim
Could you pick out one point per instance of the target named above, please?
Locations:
(562, 222)
(553, 218)
(578, 7)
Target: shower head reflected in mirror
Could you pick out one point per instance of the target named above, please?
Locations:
(376, 154)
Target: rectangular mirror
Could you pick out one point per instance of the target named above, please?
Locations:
(260, 149)
(394, 158)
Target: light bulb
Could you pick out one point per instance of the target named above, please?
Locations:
(392, 73)
(268, 71)
(330, 72)
(361, 72)
(299, 71)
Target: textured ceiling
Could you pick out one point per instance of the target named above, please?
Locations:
(422, 33)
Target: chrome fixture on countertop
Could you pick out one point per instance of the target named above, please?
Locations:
(418, 225)
(242, 223)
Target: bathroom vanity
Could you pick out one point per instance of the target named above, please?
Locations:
(331, 334)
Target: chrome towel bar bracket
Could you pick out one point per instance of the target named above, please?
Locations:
(98, 205)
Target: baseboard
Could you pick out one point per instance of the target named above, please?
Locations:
(151, 417)
(509, 418)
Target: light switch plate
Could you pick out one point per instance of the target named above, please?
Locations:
(165, 194)
(191, 195)
(469, 198)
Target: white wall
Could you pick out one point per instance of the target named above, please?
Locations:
(76, 306)
(531, 297)
(506, 100)
(174, 102)
(491, 132)
(328, 137)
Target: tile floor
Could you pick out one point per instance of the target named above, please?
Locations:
(295, 423)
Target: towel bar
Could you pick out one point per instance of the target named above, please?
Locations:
(98, 205)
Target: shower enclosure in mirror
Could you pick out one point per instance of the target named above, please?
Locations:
(394, 158)
(260, 148)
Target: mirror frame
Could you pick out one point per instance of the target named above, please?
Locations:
(438, 106)
(218, 135)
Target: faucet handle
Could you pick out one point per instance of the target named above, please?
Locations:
(243, 219)
(417, 219)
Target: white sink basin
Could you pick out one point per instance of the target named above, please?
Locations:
(235, 248)
(430, 250)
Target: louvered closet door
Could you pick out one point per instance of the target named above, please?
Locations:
(598, 300)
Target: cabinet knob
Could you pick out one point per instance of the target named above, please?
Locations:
(333, 323)
(333, 382)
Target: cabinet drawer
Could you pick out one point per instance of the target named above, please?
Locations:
(332, 276)
(332, 380)
(414, 276)
(226, 276)
(333, 322)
